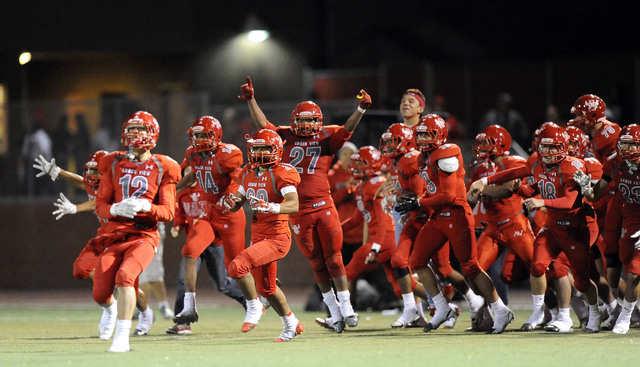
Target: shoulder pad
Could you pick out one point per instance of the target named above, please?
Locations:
(449, 164)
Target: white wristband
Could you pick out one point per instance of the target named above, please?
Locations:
(362, 110)
(275, 208)
(484, 180)
(375, 247)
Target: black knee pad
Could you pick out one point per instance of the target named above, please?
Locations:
(613, 260)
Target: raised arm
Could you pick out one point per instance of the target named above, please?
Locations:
(356, 116)
(247, 93)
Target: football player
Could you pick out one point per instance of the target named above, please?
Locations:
(137, 190)
(271, 188)
(310, 148)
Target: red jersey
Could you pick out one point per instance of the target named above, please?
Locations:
(270, 186)
(92, 192)
(343, 198)
(379, 223)
(478, 169)
(311, 156)
(153, 180)
(605, 140)
(503, 209)
(627, 182)
(405, 173)
(191, 204)
(217, 174)
(443, 190)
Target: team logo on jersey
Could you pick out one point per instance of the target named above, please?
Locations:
(296, 228)
(517, 233)
(148, 166)
(195, 196)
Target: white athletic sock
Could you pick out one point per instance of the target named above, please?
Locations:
(440, 301)
(345, 303)
(112, 309)
(538, 302)
(189, 300)
(121, 336)
(332, 304)
(564, 314)
(409, 300)
(289, 321)
(627, 310)
(498, 306)
(612, 306)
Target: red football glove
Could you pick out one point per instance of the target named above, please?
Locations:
(246, 90)
(365, 99)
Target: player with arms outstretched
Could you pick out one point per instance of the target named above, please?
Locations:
(310, 148)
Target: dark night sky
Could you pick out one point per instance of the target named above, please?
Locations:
(331, 33)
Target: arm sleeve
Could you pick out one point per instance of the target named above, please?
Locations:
(270, 126)
(446, 191)
(164, 210)
(508, 175)
(566, 201)
(381, 233)
(180, 218)
(104, 197)
(338, 137)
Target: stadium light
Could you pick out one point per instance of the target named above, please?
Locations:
(255, 29)
(24, 58)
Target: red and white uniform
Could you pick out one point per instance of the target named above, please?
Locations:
(628, 184)
(316, 226)
(452, 218)
(569, 222)
(217, 175)
(507, 225)
(405, 173)
(381, 231)
(130, 244)
(86, 261)
(270, 235)
(343, 198)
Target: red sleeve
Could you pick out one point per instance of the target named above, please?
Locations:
(566, 201)
(508, 175)
(288, 175)
(104, 197)
(180, 218)
(270, 126)
(528, 191)
(353, 221)
(339, 136)
(381, 233)
(446, 193)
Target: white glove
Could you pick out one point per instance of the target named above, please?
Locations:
(583, 180)
(228, 201)
(140, 205)
(46, 168)
(263, 207)
(637, 244)
(64, 207)
(125, 208)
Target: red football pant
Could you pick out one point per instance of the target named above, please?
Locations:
(261, 260)
(228, 227)
(318, 235)
(120, 265)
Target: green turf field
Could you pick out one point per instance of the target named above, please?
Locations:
(68, 337)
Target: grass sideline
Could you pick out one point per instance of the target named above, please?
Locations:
(50, 336)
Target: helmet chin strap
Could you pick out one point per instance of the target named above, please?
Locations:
(129, 154)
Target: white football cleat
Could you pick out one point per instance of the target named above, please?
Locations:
(144, 322)
(534, 320)
(501, 321)
(610, 322)
(119, 348)
(166, 312)
(622, 327)
(559, 326)
(408, 317)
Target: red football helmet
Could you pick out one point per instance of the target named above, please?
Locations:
(578, 142)
(139, 139)
(91, 176)
(629, 143)
(366, 162)
(258, 156)
(589, 110)
(494, 140)
(398, 139)
(205, 134)
(536, 136)
(552, 136)
(431, 132)
(306, 110)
